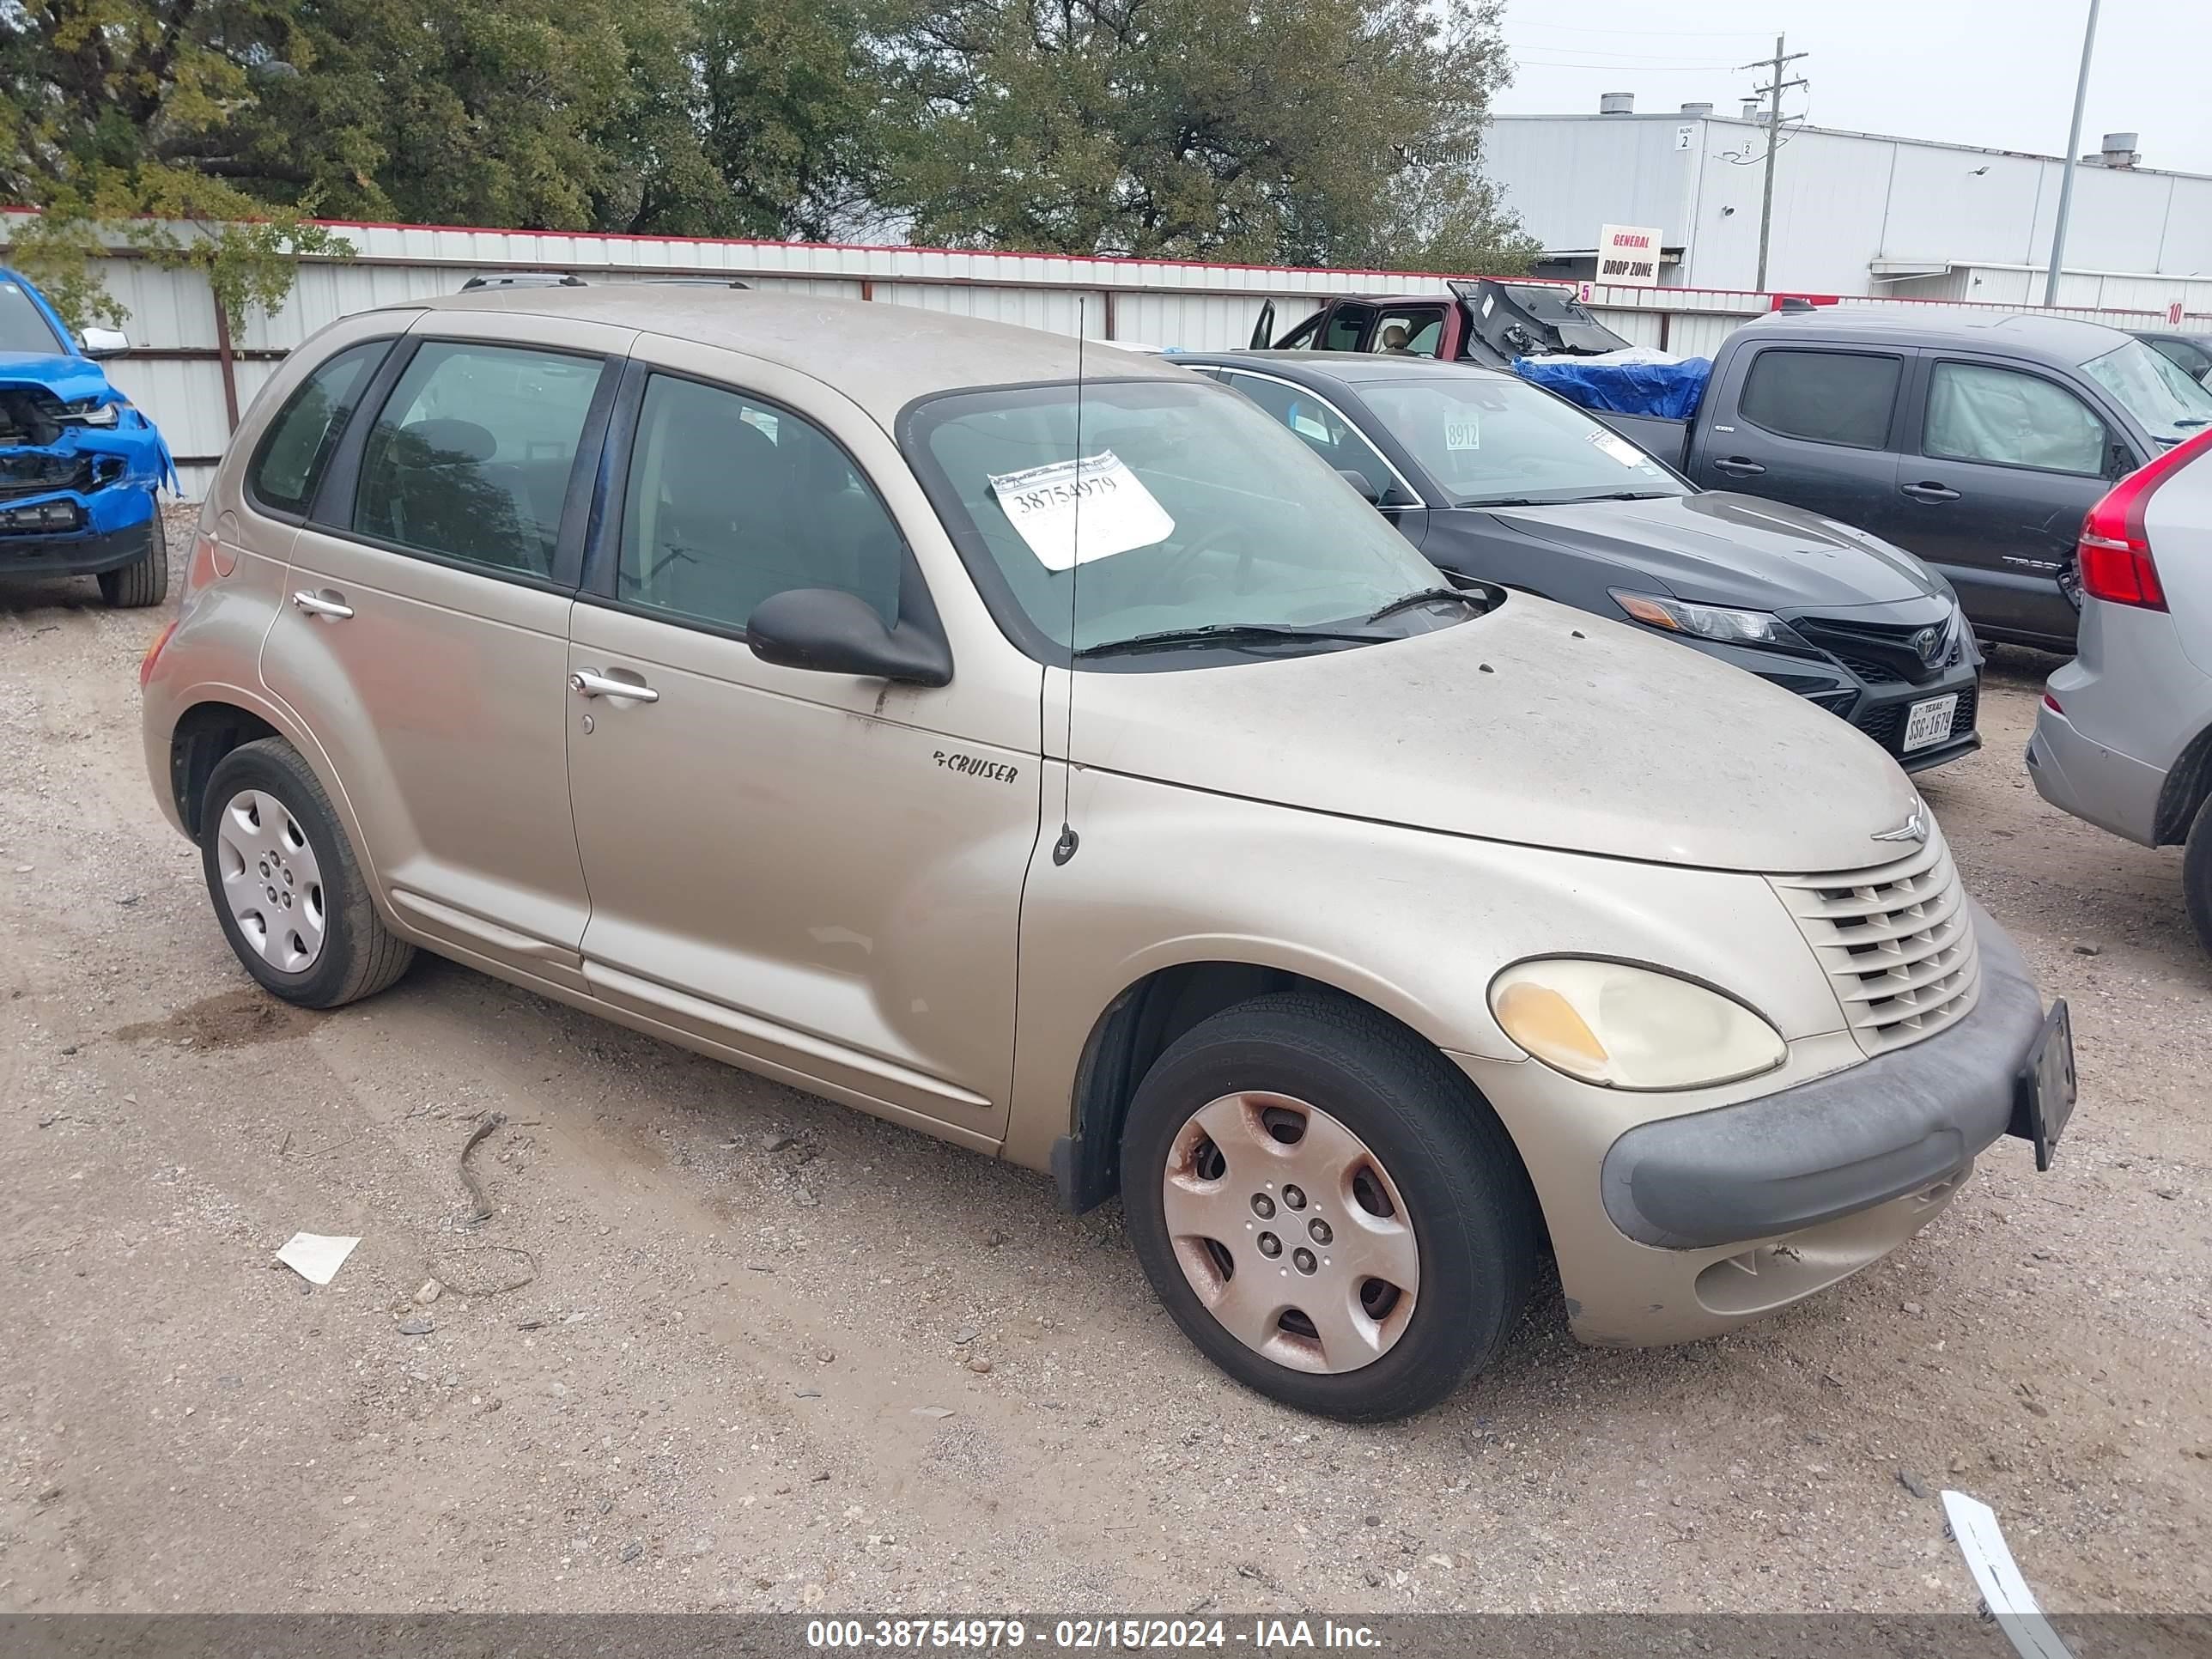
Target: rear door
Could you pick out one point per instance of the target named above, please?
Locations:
(423, 638)
(1815, 426)
(2002, 462)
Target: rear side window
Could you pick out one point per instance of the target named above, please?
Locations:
(289, 463)
(1998, 416)
(1823, 397)
(732, 500)
(470, 457)
(1345, 324)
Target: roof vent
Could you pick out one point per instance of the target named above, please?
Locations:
(1697, 109)
(2116, 149)
(1753, 110)
(1616, 103)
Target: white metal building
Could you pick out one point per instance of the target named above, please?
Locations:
(1854, 213)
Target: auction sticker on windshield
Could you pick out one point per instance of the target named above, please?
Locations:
(1096, 496)
(1463, 434)
(1620, 448)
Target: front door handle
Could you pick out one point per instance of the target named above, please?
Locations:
(590, 683)
(1737, 467)
(326, 606)
(1930, 492)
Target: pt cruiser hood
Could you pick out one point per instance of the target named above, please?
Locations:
(1536, 724)
(1716, 547)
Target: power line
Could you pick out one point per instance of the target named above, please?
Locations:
(1772, 93)
(1631, 57)
(1705, 34)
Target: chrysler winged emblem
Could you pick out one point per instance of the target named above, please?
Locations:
(1914, 829)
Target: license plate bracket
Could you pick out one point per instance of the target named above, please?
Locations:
(1928, 722)
(2046, 1086)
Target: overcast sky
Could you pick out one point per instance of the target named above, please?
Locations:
(1994, 72)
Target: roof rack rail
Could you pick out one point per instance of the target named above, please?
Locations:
(568, 279)
(523, 279)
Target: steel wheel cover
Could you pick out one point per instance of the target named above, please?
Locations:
(1291, 1232)
(272, 884)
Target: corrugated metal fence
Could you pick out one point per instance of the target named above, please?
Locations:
(186, 371)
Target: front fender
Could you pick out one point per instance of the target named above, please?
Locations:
(1414, 922)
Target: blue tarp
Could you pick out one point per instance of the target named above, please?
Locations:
(1669, 391)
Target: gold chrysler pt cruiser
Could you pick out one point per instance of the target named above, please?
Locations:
(1055, 753)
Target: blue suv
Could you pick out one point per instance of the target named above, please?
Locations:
(79, 466)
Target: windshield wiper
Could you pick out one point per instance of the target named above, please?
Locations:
(1222, 633)
(2193, 421)
(1621, 496)
(1428, 596)
(1497, 501)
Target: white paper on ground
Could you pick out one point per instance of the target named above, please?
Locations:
(316, 1257)
(1974, 1529)
(1099, 494)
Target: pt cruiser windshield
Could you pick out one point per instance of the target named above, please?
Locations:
(1160, 514)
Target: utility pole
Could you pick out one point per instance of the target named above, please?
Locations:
(2067, 163)
(1772, 93)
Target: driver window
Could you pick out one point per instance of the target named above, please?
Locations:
(1409, 333)
(1323, 431)
(1976, 412)
(731, 501)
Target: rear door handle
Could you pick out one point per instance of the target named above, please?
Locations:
(327, 605)
(1930, 492)
(590, 683)
(1737, 467)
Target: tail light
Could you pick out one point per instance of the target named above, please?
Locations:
(2115, 550)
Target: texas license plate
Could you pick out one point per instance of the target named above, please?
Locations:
(1930, 722)
(2045, 1090)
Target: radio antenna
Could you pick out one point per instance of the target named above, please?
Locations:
(1064, 848)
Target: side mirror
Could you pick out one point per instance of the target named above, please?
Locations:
(103, 342)
(2119, 460)
(829, 631)
(1360, 482)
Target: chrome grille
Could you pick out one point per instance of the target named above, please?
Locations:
(1897, 941)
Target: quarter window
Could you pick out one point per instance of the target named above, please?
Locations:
(298, 444)
(2003, 417)
(1822, 397)
(1409, 333)
(731, 501)
(471, 457)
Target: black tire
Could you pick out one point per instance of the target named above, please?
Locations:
(360, 954)
(146, 582)
(1474, 1217)
(2196, 875)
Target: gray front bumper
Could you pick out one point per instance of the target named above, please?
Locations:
(1844, 1143)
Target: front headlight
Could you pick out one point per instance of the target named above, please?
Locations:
(91, 411)
(1710, 621)
(1630, 1028)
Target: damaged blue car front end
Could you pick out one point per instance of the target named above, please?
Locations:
(79, 465)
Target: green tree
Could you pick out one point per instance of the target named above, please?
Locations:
(1314, 131)
(102, 103)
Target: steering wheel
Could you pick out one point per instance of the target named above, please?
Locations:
(1171, 572)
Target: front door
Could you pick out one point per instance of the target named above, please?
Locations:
(2000, 467)
(424, 637)
(816, 874)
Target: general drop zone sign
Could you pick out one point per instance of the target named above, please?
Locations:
(1629, 255)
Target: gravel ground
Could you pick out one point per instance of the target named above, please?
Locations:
(725, 1345)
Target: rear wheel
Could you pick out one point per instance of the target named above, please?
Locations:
(287, 888)
(1327, 1208)
(145, 582)
(2196, 875)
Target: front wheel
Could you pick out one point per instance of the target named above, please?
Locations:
(146, 581)
(1327, 1208)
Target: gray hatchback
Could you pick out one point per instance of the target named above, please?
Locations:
(2124, 736)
